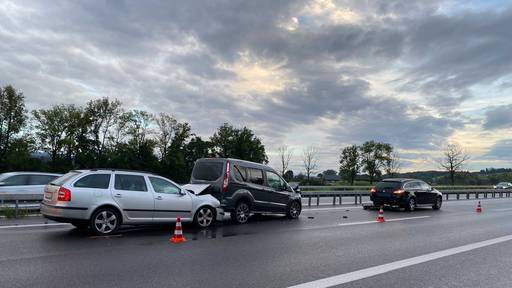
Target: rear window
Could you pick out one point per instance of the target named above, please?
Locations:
(208, 171)
(385, 185)
(65, 178)
(41, 179)
(98, 181)
(18, 180)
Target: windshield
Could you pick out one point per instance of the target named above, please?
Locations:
(65, 178)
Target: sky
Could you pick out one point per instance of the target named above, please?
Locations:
(324, 73)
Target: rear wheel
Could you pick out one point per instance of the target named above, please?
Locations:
(105, 221)
(411, 205)
(293, 210)
(205, 217)
(438, 204)
(241, 213)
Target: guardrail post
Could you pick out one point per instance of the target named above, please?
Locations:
(501, 194)
(309, 200)
(485, 194)
(360, 199)
(447, 197)
(317, 200)
(333, 200)
(458, 196)
(340, 199)
(16, 209)
(467, 195)
(355, 199)
(476, 195)
(493, 193)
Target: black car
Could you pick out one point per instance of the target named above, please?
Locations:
(405, 193)
(244, 187)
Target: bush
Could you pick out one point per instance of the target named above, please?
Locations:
(10, 212)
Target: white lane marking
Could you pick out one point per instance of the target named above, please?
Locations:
(381, 269)
(363, 222)
(501, 209)
(34, 225)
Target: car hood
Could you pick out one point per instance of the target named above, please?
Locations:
(197, 189)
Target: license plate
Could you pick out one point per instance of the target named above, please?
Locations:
(48, 195)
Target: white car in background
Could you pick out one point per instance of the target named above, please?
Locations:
(25, 182)
(503, 185)
(104, 199)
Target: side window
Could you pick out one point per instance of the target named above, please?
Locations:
(162, 186)
(424, 186)
(98, 181)
(274, 181)
(255, 176)
(41, 179)
(17, 180)
(130, 183)
(240, 173)
(411, 186)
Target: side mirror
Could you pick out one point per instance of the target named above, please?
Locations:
(183, 192)
(295, 187)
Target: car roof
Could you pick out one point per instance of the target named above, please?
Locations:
(115, 170)
(29, 172)
(245, 163)
(403, 180)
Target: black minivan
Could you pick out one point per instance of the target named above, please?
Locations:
(244, 187)
(405, 193)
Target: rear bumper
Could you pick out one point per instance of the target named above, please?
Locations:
(63, 213)
(392, 201)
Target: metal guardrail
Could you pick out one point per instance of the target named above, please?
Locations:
(361, 188)
(357, 195)
(32, 201)
(20, 201)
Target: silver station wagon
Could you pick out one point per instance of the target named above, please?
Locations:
(104, 199)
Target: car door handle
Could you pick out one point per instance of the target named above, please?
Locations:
(159, 198)
(118, 195)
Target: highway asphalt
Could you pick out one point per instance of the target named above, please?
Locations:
(327, 246)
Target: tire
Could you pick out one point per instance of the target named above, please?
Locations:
(241, 213)
(438, 204)
(411, 205)
(294, 210)
(105, 221)
(205, 217)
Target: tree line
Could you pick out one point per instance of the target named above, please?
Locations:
(102, 133)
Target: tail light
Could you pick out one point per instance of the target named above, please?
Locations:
(373, 190)
(398, 192)
(226, 178)
(64, 194)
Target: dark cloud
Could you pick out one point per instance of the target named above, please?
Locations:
(171, 56)
(498, 117)
(500, 151)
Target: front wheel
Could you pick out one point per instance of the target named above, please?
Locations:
(411, 205)
(294, 210)
(105, 221)
(241, 213)
(438, 204)
(205, 217)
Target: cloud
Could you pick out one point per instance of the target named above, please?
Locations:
(274, 66)
(498, 117)
(500, 151)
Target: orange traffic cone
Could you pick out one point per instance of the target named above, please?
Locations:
(478, 207)
(380, 218)
(178, 233)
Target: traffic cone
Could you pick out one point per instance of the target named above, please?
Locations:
(178, 233)
(478, 207)
(380, 218)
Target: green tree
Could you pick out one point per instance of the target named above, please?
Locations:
(350, 163)
(12, 119)
(230, 142)
(50, 125)
(103, 115)
(374, 156)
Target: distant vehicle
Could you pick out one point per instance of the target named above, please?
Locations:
(503, 185)
(104, 199)
(245, 187)
(405, 193)
(25, 182)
